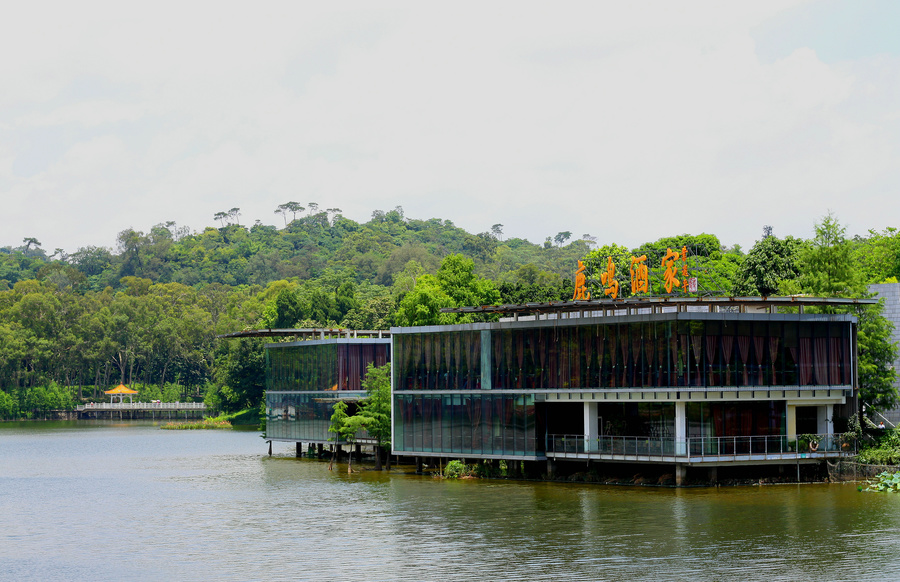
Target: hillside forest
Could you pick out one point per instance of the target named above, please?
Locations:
(146, 313)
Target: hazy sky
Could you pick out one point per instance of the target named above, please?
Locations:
(625, 120)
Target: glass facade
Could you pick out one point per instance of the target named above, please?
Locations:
(629, 355)
(304, 379)
(317, 366)
(301, 416)
(488, 424)
(473, 390)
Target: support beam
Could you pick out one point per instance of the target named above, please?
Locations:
(680, 472)
(680, 428)
(791, 422)
(299, 449)
(591, 427)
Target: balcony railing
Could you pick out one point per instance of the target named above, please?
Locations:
(699, 448)
(141, 406)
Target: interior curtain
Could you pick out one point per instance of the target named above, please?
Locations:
(711, 341)
(601, 334)
(613, 359)
(834, 361)
(520, 357)
(636, 362)
(773, 357)
(727, 351)
(821, 362)
(805, 364)
(660, 359)
(744, 349)
(697, 344)
(623, 342)
(758, 354)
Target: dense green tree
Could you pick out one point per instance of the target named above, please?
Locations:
(374, 412)
(828, 269)
(769, 261)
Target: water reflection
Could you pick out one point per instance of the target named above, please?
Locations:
(212, 505)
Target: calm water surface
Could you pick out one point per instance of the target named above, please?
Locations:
(126, 502)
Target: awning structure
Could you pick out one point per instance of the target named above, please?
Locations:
(120, 392)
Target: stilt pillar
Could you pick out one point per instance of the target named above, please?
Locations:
(551, 468)
(320, 450)
(419, 469)
(270, 448)
(680, 428)
(680, 471)
(591, 427)
(359, 453)
(299, 449)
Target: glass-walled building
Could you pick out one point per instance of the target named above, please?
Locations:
(677, 382)
(304, 379)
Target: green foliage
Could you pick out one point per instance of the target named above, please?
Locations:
(770, 261)
(885, 482)
(455, 285)
(827, 268)
(456, 469)
(885, 452)
(878, 256)
(877, 354)
(339, 426)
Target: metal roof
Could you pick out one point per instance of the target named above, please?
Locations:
(681, 302)
(310, 333)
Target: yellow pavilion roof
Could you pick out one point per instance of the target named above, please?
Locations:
(121, 389)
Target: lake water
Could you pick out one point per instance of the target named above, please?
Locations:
(132, 502)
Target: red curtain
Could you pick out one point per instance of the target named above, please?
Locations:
(758, 343)
(744, 349)
(711, 341)
(805, 363)
(727, 351)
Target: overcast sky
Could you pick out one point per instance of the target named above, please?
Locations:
(628, 121)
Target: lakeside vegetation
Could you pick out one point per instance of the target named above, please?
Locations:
(147, 313)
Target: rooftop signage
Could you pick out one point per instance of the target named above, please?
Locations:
(673, 276)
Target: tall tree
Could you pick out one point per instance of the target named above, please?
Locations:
(374, 413)
(769, 261)
(828, 269)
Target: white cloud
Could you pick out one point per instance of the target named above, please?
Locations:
(626, 121)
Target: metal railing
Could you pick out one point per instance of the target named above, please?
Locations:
(141, 406)
(826, 445)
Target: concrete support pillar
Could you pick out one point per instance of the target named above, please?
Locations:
(591, 427)
(299, 449)
(791, 422)
(551, 468)
(419, 468)
(320, 450)
(270, 448)
(680, 471)
(680, 428)
(824, 415)
(713, 474)
(359, 453)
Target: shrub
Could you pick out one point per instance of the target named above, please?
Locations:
(455, 469)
